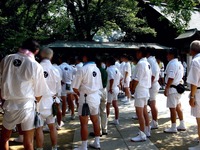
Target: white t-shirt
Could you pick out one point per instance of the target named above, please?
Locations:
(194, 71)
(52, 77)
(59, 69)
(79, 66)
(22, 80)
(113, 73)
(122, 67)
(154, 67)
(88, 81)
(68, 72)
(117, 64)
(143, 76)
(127, 68)
(174, 70)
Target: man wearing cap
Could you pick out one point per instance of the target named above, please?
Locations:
(174, 75)
(22, 82)
(194, 80)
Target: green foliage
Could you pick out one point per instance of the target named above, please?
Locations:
(21, 19)
(50, 20)
(103, 16)
(179, 11)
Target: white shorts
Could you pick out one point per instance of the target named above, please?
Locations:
(127, 83)
(94, 110)
(47, 116)
(195, 111)
(140, 102)
(153, 91)
(25, 117)
(93, 101)
(63, 91)
(103, 94)
(113, 96)
(173, 100)
(162, 74)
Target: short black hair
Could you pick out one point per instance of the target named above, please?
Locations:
(124, 56)
(90, 56)
(151, 50)
(111, 60)
(173, 51)
(143, 50)
(30, 44)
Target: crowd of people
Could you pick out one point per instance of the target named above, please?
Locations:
(38, 94)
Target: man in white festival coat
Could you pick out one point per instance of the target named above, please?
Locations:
(114, 77)
(155, 86)
(88, 81)
(22, 82)
(174, 75)
(194, 80)
(53, 80)
(140, 88)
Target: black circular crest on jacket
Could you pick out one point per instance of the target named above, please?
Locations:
(94, 74)
(46, 74)
(17, 62)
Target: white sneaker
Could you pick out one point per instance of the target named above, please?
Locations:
(73, 117)
(135, 117)
(80, 148)
(54, 148)
(58, 127)
(124, 100)
(19, 139)
(147, 131)
(194, 148)
(46, 128)
(181, 127)
(127, 103)
(154, 124)
(64, 119)
(140, 137)
(115, 122)
(170, 130)
(95, 145)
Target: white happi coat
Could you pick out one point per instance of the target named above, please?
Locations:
(143, 76)
(88, 81)
(53, 80)
(21, 81)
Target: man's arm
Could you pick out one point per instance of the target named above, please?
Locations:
(111, 84)
(134, 84)
(126, 75)
(169, 83)
(193, 90)
(76, 91)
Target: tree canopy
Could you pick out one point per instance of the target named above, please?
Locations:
(50, 20)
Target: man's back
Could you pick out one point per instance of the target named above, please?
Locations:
(19, 75)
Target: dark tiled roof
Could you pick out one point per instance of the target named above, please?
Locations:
(187, 34)
(111, 45)
(195, 17)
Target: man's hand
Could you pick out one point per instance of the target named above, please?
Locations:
(192, 102)
(166, 91)
(110, 91)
